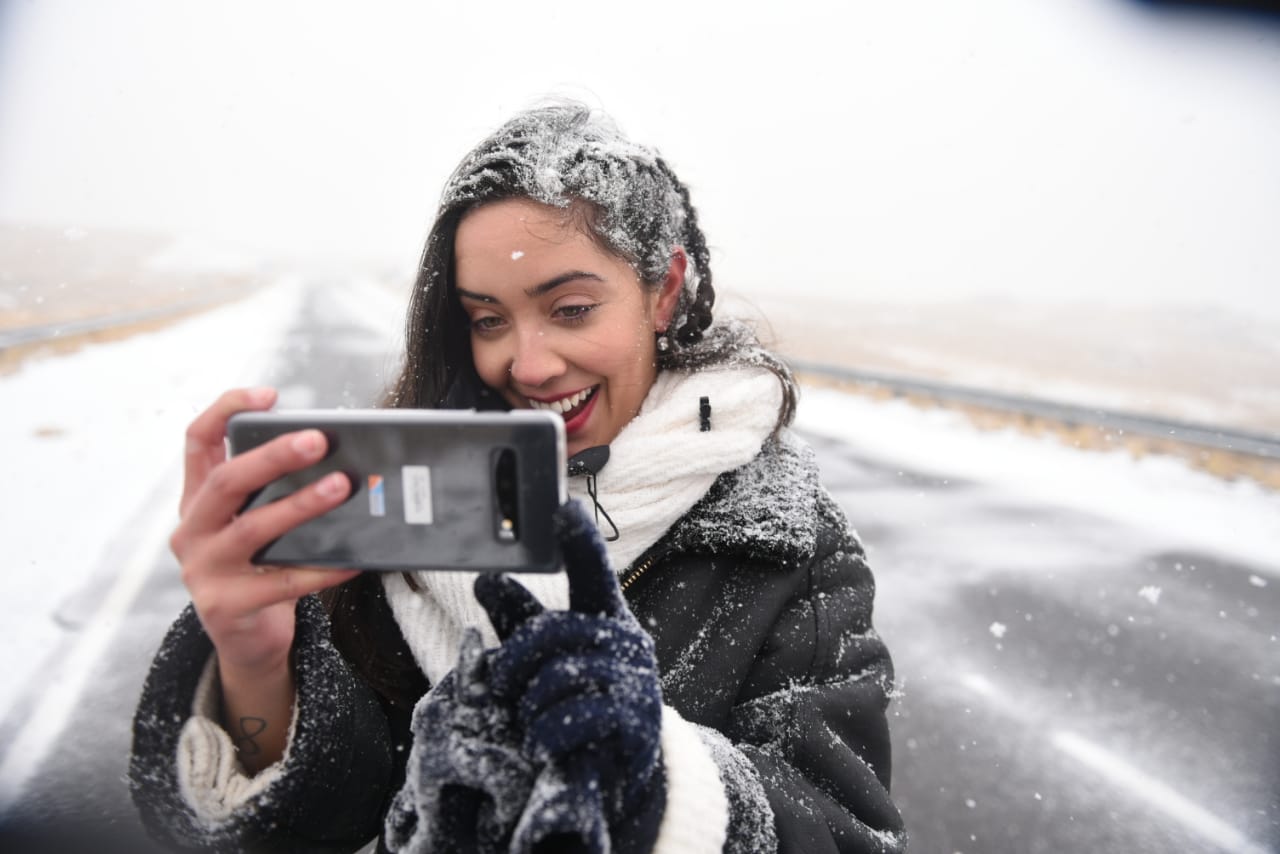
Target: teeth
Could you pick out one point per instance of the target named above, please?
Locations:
(564, 404)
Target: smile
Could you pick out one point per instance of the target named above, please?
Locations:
(565, 405)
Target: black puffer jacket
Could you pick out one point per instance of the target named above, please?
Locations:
(759, 601)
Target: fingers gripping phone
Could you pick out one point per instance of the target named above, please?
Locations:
(430, 489)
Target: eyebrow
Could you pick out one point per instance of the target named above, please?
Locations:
(536, 290)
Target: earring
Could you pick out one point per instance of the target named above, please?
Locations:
(664, 343)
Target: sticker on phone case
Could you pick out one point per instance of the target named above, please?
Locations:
(417, 494)
(377, 496)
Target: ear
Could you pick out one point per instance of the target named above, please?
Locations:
(669, 290)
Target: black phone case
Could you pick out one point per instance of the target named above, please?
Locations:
(431, 489)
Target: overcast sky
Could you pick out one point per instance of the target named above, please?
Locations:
(907, 151)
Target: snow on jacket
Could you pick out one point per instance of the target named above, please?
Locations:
(759, 602)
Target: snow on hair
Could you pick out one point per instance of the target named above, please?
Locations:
(567, 156)
(563, 153)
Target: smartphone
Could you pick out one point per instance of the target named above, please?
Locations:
(430, 489)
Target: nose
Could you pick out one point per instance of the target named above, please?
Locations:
(535, 360)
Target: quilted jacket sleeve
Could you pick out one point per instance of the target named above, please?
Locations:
(816, 732)
(328, 792)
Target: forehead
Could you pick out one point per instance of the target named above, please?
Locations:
(512, 225)
(503, 249)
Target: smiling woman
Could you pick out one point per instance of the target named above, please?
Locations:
(732, 699)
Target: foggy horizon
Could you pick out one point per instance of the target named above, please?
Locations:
(1096, 150)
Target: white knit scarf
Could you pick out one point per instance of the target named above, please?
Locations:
(659, 466)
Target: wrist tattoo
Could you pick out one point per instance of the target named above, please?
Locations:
(249, 729)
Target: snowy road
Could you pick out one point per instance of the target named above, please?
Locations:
(1086, 645)
(1066, 686)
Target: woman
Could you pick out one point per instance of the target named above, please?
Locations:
(733, 699)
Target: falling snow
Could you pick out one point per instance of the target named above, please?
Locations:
(1151, 593)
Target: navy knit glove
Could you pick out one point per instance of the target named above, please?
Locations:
(468, 778)
(584, 683)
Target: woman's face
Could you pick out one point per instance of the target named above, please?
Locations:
(557, 323)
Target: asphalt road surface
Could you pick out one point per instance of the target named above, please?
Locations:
(1059, 689)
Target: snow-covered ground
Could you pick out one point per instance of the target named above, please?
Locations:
(90, 437)
(1208, 364)
(1158, 497)
(87, 439)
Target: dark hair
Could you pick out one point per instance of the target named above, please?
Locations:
(626, 198)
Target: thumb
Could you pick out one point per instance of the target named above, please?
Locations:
(507, 602)
(471, 687)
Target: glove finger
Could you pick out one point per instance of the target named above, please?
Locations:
(401, 823)
(538, 641)
(564, 677)
(569, 726)
(627, 715)
(564, 814)
(593, 585)
(458, 818)
(590, 673)
(508, 603)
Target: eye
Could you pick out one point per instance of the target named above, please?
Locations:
(486, 323)
(575, 313)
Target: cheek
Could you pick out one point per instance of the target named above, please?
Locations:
(631, 365)
(619, 353)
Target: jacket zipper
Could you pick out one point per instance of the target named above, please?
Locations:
(638, 571)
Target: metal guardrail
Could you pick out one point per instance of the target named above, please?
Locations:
(1238, 441)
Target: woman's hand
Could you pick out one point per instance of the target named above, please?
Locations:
(467, 779)
(584, 685)
(248, 610)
